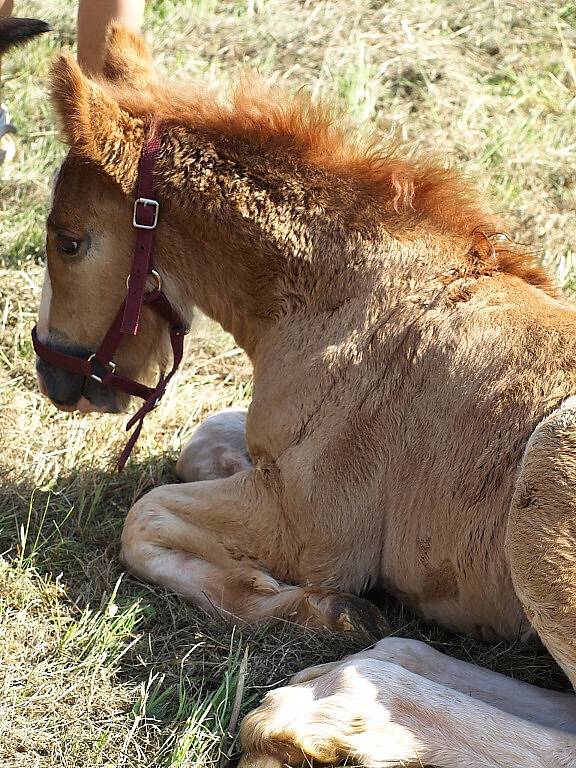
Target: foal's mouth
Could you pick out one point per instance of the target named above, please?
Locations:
(72, 393)
(83, 404)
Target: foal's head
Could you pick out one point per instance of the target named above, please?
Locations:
(90, 237)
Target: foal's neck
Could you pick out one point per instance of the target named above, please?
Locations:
(258, 235)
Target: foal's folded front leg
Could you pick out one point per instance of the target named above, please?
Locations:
(224, 545)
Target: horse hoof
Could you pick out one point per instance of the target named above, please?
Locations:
(349, 613)
(359, 616)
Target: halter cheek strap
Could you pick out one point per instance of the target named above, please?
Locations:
(144, 219)
(126, 322)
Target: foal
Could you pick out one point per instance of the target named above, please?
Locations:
(411, 425)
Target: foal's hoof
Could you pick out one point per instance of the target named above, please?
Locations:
(360, 616)
(349, 613)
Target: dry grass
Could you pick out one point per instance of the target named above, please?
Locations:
(96, 668)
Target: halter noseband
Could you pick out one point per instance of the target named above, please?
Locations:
(144, 219)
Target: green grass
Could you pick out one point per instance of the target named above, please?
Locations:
(98, 669)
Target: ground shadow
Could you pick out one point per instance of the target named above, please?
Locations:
(72, 532)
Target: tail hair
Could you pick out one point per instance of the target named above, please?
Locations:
(15, 31)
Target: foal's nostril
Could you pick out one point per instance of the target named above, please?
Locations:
(62, 387)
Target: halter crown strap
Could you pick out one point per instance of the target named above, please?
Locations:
(100, 364)
(144, 219)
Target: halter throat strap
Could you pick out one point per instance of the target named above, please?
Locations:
(100, 365)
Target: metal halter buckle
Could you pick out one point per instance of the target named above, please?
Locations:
(145, 201)
(153, 273)
(111, 366)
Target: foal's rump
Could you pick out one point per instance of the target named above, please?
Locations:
(541, 536)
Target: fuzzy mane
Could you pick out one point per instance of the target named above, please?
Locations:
(413, 189)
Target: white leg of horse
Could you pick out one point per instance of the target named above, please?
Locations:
(549, 708)
(216, 449)
(376, 713)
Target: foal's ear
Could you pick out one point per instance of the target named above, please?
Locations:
(95, 125)
(127, 59)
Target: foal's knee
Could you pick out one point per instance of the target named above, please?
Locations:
(145, 529)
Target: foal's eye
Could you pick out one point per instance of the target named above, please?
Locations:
(67, 244)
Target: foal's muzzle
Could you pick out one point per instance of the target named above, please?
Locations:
(66, 389)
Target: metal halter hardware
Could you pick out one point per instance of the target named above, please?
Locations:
(156, 209)
(152, 273)
(110, 366)
(144, 219)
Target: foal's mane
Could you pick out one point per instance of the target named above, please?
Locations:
(414, 189)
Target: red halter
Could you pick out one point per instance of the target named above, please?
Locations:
(144, 219)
